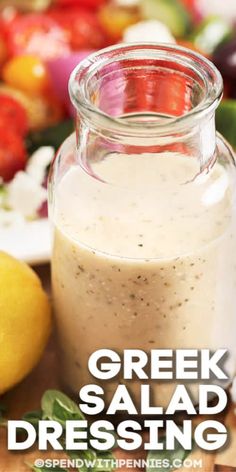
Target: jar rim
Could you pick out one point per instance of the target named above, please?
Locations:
(203, 67)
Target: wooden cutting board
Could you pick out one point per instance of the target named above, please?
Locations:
(27, 395)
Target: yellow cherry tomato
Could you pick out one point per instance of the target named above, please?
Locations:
(42, 111)
(115, 20)
(26, 73)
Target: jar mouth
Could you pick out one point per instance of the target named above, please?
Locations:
(102, 83)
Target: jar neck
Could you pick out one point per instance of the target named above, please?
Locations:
(198, 143)
(146, 98)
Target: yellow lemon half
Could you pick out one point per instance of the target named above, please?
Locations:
(25, 320)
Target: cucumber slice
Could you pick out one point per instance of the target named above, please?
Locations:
(226, 120)
(170, 12)
(211, 33)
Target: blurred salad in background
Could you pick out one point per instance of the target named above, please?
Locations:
(41, 41)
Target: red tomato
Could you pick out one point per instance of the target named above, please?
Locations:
(3, 50)
(82, 27)
(192, 7)
(3, 43)
(83, 3)
(13, 115)
(36, 34)
(189, 45)
(189, 3)
(12, 153)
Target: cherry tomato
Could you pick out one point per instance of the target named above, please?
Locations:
(114, 20)
(193, 8)
(188, 44)
(42, 111)
(3, 52)
(13, 115)
(37, 34)
(83, 3)
(81, 26)
(27, 73)
(3, 44)
(12, 153)
(53, 110)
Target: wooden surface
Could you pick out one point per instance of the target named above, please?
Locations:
(26, 396)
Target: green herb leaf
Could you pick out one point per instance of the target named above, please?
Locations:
(62, 414)
(33, 417)
(45, 469)
(95, 461)
(52, 136)
(3, 409)
(102, 465)
(58, 407)
(48, 469)
(167, 458)
(89, 455)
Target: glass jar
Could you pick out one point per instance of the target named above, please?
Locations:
(142, 198)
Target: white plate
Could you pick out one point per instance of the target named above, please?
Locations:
(30, 242)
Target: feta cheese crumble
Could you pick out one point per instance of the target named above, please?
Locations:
(38, 163)
(21, 199)
(25, 195)
(148, 31)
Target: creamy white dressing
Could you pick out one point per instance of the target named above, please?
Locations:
(142, 259)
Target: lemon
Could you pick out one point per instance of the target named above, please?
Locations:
(25, 320)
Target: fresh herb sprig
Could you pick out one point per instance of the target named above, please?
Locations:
(2, 409)
(167, 458)
(57, 406)
(46, 469)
